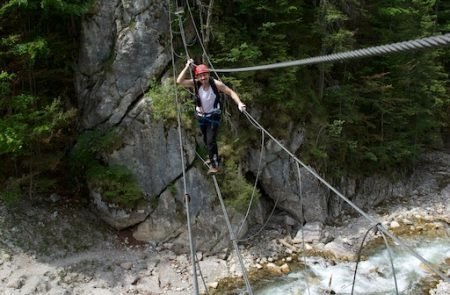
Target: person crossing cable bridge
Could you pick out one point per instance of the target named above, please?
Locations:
(207, 107)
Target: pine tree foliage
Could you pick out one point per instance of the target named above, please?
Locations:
(37, 52)
(362, 116)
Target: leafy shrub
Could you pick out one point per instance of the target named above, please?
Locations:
(163, 104)
(115, 183)
(90, 147)
(236, 191)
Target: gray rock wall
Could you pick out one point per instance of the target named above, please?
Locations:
(280, 179)
(123, 45)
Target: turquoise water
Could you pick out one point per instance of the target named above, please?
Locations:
(374, 275)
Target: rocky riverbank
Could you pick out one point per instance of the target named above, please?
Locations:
(59, 247)
(417, 216)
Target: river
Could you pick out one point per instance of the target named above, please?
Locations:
(374, 274)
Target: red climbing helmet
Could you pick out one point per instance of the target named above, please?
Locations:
(200, 69)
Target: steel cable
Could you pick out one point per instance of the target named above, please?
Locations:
(300, 192)
(364, 214)
(233, 238)
(429, 42)
(186, 195)
(261, 153)
(201, 275)
(388, 248)
(230, 229)
(358, 259)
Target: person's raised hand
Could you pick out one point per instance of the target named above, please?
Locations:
(242, 107)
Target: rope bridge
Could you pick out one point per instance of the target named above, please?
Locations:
(429, 42)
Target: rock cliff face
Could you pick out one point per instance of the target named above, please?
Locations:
(125, 44)
(280, 180)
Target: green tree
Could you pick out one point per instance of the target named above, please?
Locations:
(443, 26)
(38, 47)
(363, 115)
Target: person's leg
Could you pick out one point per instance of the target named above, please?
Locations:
(204, 129)
(211, 139)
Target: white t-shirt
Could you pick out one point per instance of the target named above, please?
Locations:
(207, 99)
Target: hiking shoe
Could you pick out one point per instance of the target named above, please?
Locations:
(213, 170)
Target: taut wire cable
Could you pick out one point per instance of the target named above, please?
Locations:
(434, 41)
(261, 153)
(388, 248)
(300, 192)
(233, 238)
(358, 259)
(205, 54)
(186, 195)
(201, 274)
(230, 230)
(364, 214)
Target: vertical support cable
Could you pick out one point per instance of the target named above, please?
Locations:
(359, 256)
(391, 260)
(261, 153)
(186, 195)
(300, 191)
(340, 195)
(183, 36)
(187, 199)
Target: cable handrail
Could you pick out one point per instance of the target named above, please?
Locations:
(233, 238)
(429, 42)
(339, 194)
(230, 229)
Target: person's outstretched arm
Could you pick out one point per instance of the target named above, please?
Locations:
(230, 92)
